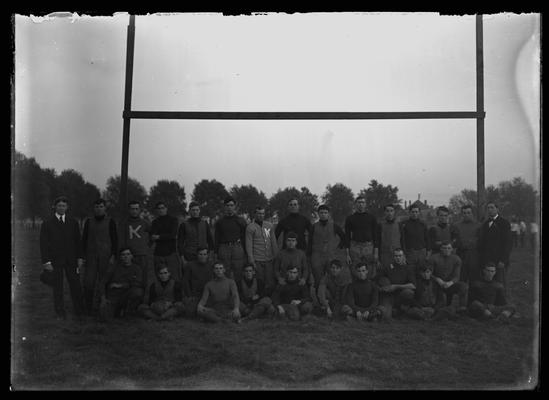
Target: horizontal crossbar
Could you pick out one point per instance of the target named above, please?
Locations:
(301, 115)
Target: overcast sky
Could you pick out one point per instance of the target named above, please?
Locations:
(69, 88)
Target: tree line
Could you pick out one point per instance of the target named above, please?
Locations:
(35, 188)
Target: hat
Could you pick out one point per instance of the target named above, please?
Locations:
(47, 278)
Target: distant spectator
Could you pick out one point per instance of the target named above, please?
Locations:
(515, 233)
(534, 238)
(522, 226)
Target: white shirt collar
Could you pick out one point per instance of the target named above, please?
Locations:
(60, 216)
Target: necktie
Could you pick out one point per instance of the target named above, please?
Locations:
(61, 220)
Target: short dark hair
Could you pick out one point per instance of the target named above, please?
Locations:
(291, 235)
(425, 265)
(159, 203)
(323, 207)
(292, 199)
(100, 201)
(336, 262)
(466, 206)
(489, 264)
(132, 202)
(411, 207)
(249, 265)
(200, 248)
(445, 243)
(228, 200)
(193, 204)
(259, 208)
(218, 262)
(124, 248)
(360, 264)
(360, 197)
(291, 267)
(443, 208)
(398, 249)
(388, 205)
(160, 267)
(494, 203)
(60, 199)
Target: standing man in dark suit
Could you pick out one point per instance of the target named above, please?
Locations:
(495, 242)
(60, 250)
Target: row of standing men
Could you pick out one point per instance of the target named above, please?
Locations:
(261, 244)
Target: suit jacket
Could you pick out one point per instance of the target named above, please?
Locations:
(60, 242)
(495, 242)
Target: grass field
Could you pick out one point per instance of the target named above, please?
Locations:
(315, 354)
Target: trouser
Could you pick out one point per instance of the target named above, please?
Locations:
(470, 270)
(162, 309)
(94, 272)
(172, 262)
(415, 258)
(477, 309)
(146, 264)
(232, 256)
(189, 306)
(358, 252)
(319, 266)
(263, 307)
(74, 285)
(420, 313)
(385, 258)
(294, 312)
(501, 276)
(459, 289)
(265, 272)
(119, 301)
(373, 311)
(217, 313)
(336, 307)
(399, 299)
(515, 237)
